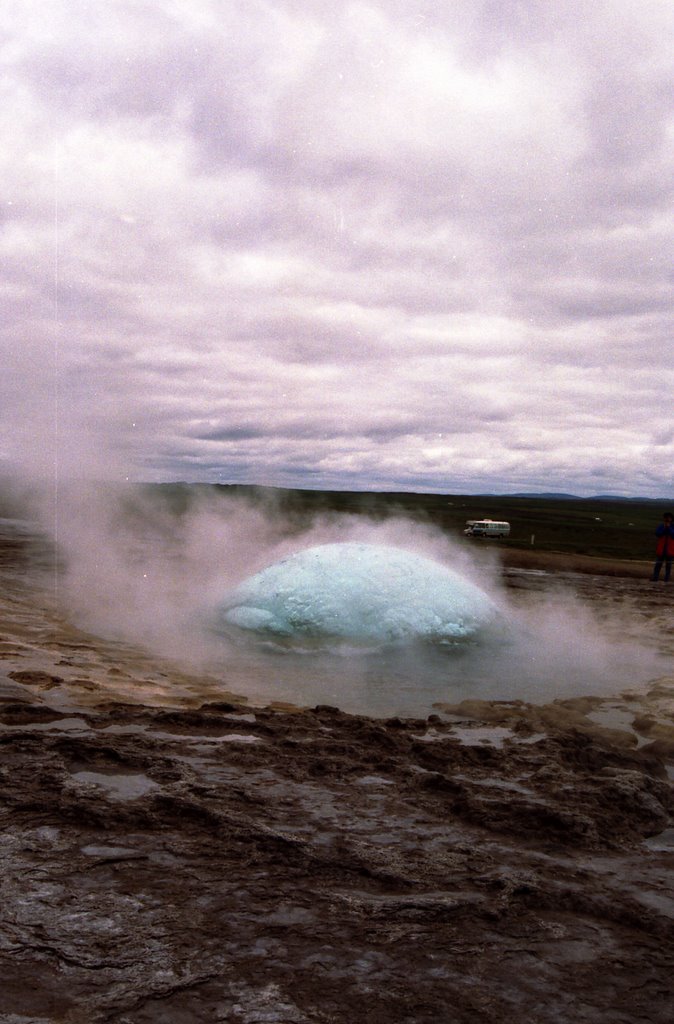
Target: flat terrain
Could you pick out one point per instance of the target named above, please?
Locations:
(561, 562)
(173, 854)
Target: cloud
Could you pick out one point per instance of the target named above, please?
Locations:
(373, 245)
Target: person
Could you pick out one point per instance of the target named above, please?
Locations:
(664, 552)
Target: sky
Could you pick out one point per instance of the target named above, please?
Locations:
(381, 245)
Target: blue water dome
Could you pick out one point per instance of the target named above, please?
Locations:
(360, 592)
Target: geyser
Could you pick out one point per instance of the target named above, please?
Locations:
(362, 592)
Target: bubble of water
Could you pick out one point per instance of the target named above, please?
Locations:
(362, 592)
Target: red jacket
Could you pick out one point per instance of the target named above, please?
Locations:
(665, 546)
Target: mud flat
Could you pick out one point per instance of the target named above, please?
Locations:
(171, 853)
(556, 561)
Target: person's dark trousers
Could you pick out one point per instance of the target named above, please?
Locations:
(658, 566)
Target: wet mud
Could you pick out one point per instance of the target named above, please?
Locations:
(172, 853)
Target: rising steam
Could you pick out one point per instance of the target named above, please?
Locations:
(149, 566)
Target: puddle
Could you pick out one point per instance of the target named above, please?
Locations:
(374, 780)
(116, 852)
(178, 737)
(505, 784)
(664, 841)
(234, 737)
(119, 787)
(657, 901)
(60, 725)
(613, 716)
(477, 737)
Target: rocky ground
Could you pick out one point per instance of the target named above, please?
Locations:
(189, 858)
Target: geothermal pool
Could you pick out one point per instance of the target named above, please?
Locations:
(411, 679)
(387, 619)
(382, 631)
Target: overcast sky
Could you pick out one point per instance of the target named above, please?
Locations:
(392, 244)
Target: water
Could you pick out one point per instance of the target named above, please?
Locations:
(359, 592)
(377, 630)
(379, 624)
(408, 679)
(118, 785)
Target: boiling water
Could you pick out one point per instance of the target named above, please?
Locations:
(437, 633)
(377, 630)
(362, 592)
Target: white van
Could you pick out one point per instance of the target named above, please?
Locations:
(486, 528)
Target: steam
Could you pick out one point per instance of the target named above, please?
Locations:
(148, 567)
(137, 569)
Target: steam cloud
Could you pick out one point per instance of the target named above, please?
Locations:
(136, 568)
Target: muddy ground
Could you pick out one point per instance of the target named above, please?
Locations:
(191, 858)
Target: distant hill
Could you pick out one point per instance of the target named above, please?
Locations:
(557, 496)
(620, 497)
(563, 496)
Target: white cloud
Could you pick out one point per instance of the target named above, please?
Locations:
(373, 245)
